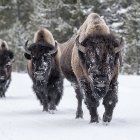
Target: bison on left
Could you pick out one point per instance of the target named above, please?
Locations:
(6, 61)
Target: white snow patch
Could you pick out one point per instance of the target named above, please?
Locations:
(21, 115)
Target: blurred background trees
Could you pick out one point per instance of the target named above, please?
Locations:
(19, 19)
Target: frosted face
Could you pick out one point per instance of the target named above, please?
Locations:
(99, 62)
(41, 67)
(42, 60)
(100, 67)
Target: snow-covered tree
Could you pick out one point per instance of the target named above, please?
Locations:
(114, 14)
(19, 20)
(132, 32)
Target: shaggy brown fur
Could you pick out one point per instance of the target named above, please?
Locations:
(95, 71)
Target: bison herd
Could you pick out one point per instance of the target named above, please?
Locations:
(90, 60)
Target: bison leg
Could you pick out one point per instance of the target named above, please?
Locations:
(59, 90)
(79, 96)
(55, 92)
(42, 98)
(90, 101)
(2, 94)
(4, 87)
(110, 101)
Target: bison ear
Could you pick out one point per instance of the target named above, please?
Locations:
(27, 56)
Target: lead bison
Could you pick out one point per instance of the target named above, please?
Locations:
(44, 69)
(6, 60)
(90, 61)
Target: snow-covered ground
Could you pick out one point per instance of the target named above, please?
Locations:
(21, 116)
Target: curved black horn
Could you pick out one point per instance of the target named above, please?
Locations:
(26, 47)
(11, 62)
(55, 49)
(121, 45)
(80, 47)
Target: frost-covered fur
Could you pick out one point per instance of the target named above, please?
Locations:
(44, 69)
(95, 71)
(6, 60)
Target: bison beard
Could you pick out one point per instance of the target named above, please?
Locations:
(49, 93)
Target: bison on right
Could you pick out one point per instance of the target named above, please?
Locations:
(91, 63)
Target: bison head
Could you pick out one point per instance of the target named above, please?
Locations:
(6, 60)
(41, 55)
(99, 55)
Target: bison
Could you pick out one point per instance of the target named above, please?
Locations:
(90, 61)
(44, 69)
(6, 61)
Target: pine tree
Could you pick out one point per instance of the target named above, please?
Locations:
(114, 14)
(132, 26)
(21, 18)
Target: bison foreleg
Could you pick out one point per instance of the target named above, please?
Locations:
(110, 101)
(55, 92)
(79, 96)
(2, 94)
(90, 101)
(58, 90)
(41, 97)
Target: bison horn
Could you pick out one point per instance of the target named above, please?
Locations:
(80, 47)
(55, 49)
(121, 45)
(26, 48)
(11, 62)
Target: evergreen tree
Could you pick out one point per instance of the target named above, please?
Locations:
(21, 18)
(132, 26)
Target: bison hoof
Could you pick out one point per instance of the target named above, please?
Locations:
(105, 123)
(52, 107)
(52, 111)
(79, 114)
(2, 96)
(107, 118)
(94, 120)
(45, 109)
